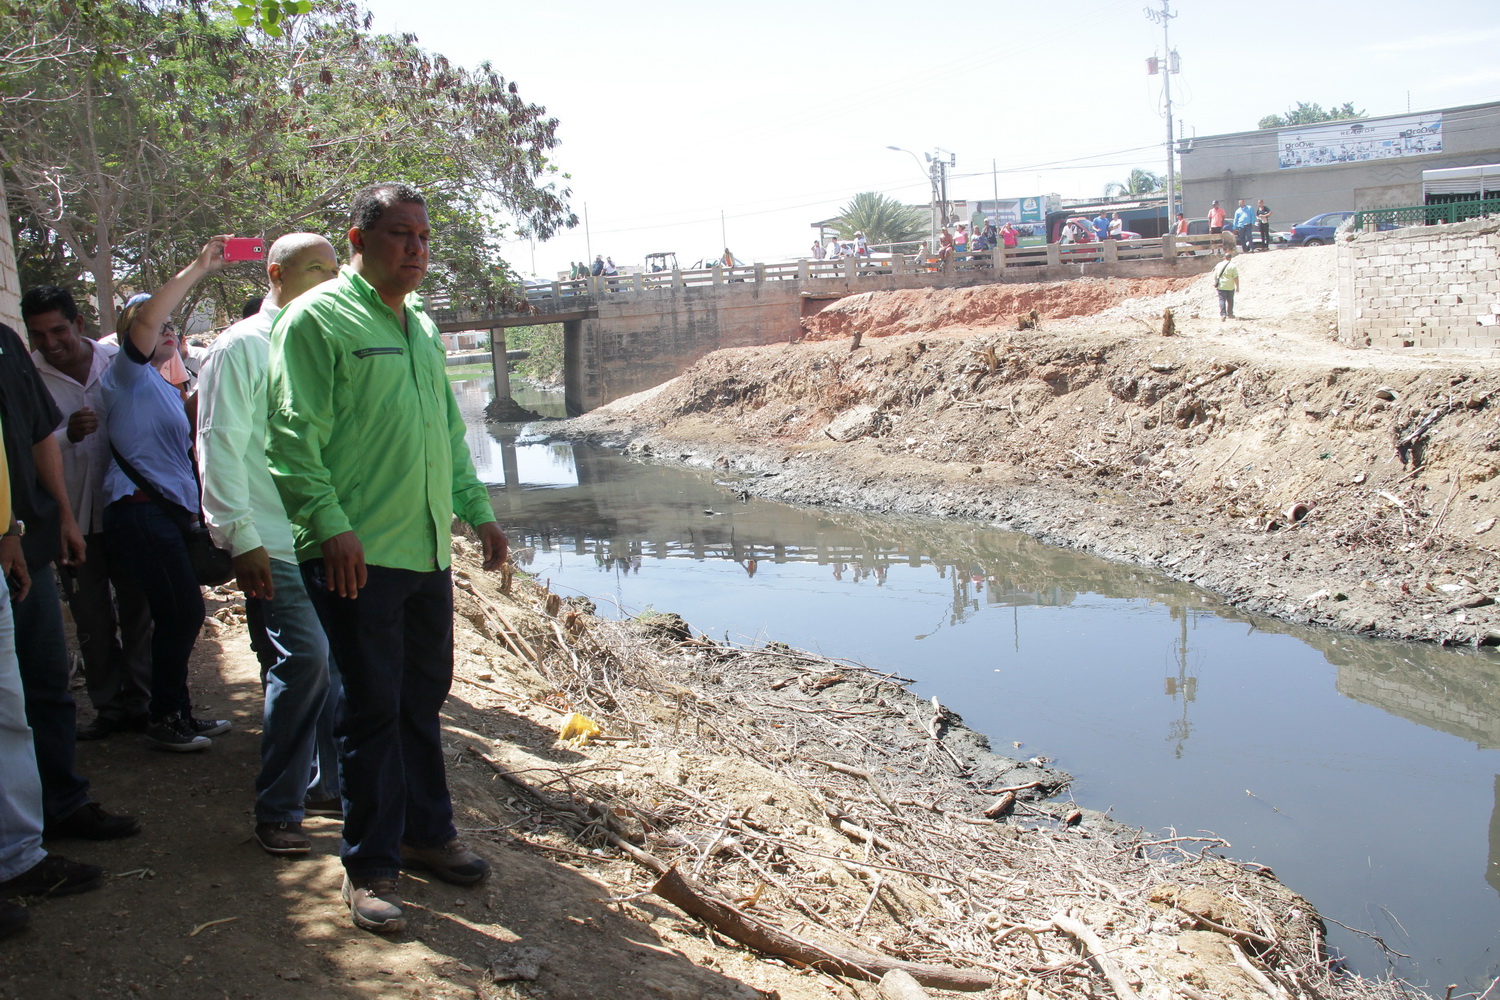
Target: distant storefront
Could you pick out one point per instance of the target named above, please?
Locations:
(1336, 166)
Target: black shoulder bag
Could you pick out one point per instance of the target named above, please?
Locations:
(211, 564)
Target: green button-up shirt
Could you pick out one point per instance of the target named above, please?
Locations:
(364, 433)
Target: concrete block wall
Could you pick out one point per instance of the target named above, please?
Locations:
(1424, 287)
(10, 281)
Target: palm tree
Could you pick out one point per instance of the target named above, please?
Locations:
(1139, 183)
(881, 219)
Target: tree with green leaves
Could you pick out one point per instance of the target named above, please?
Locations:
(1310, 114)
(1139, 184)
(167, 120)
(883, 220)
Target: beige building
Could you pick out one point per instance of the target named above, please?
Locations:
(1336, 166)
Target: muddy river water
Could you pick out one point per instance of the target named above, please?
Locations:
(1365, 774)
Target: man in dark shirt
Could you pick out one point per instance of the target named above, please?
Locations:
(40, 502)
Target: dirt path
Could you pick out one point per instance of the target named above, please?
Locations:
(1258, 458)
(193, 908)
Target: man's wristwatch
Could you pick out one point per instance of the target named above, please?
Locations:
(17, 529)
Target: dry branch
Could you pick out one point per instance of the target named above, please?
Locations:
(1097, 955)
(679, 890)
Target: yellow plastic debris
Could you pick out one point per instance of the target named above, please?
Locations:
(578, 729)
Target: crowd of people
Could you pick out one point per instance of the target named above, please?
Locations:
(293, 439)
(1244, 225)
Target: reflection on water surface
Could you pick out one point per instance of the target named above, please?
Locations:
(1364, 773)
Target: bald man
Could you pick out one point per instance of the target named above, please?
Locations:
(299, 761)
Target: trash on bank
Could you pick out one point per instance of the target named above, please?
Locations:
(578, 729)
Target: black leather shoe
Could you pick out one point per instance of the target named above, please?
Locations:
(13, 917)
(90, 822)
(54, 875)
(104, 726)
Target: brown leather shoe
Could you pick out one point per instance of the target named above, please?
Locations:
(282, 838)
(374, 904)
(452, 862)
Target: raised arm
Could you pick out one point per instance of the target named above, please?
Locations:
(145, 332)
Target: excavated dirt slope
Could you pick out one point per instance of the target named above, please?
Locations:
(1255, 457)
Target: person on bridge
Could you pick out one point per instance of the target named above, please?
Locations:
(818, 250)
(1101, 227)
(366, 447)
(1009, 237)
(298, 758)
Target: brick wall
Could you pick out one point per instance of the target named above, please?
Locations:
(10, 282)
(1424, 287)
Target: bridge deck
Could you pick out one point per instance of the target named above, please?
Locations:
(564, 301)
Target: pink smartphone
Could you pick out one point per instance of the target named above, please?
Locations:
(244, 248)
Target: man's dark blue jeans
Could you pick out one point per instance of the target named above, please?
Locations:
(149, 544)
(394, 648)
(42, 652)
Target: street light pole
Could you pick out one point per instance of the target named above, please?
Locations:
(932, 214)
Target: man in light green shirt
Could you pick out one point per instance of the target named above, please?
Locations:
(366, 447)
(1227, 282)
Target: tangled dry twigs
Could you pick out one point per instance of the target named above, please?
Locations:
(818, 812)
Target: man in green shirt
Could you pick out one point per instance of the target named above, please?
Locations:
(1227, 282)
(366, 447)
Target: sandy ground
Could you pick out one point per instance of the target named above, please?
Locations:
(1257, 457)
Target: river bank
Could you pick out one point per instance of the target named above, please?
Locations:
(1257, 458)
(811, 801)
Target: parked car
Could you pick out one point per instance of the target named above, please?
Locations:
(1318, 230)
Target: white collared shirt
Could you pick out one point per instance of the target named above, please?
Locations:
(240, 502)
(84, 463)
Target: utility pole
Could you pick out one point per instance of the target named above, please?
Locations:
(1164, 16)
(940, 179)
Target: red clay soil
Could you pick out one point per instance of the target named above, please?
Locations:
(920, 310)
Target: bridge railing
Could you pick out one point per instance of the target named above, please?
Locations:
(844, 268)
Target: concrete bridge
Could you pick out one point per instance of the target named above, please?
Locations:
(628, 333)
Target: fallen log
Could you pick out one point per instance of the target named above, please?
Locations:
(898, 985)
(682, 892)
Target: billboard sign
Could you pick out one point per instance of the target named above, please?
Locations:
(1028, 215)
(1359, 141)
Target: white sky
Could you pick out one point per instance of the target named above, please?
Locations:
(775, 113)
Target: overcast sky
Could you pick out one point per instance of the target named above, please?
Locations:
(772, 115)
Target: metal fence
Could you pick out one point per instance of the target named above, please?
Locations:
(1374, 219)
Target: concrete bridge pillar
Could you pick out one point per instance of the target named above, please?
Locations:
(499, 366)
(573, 381)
